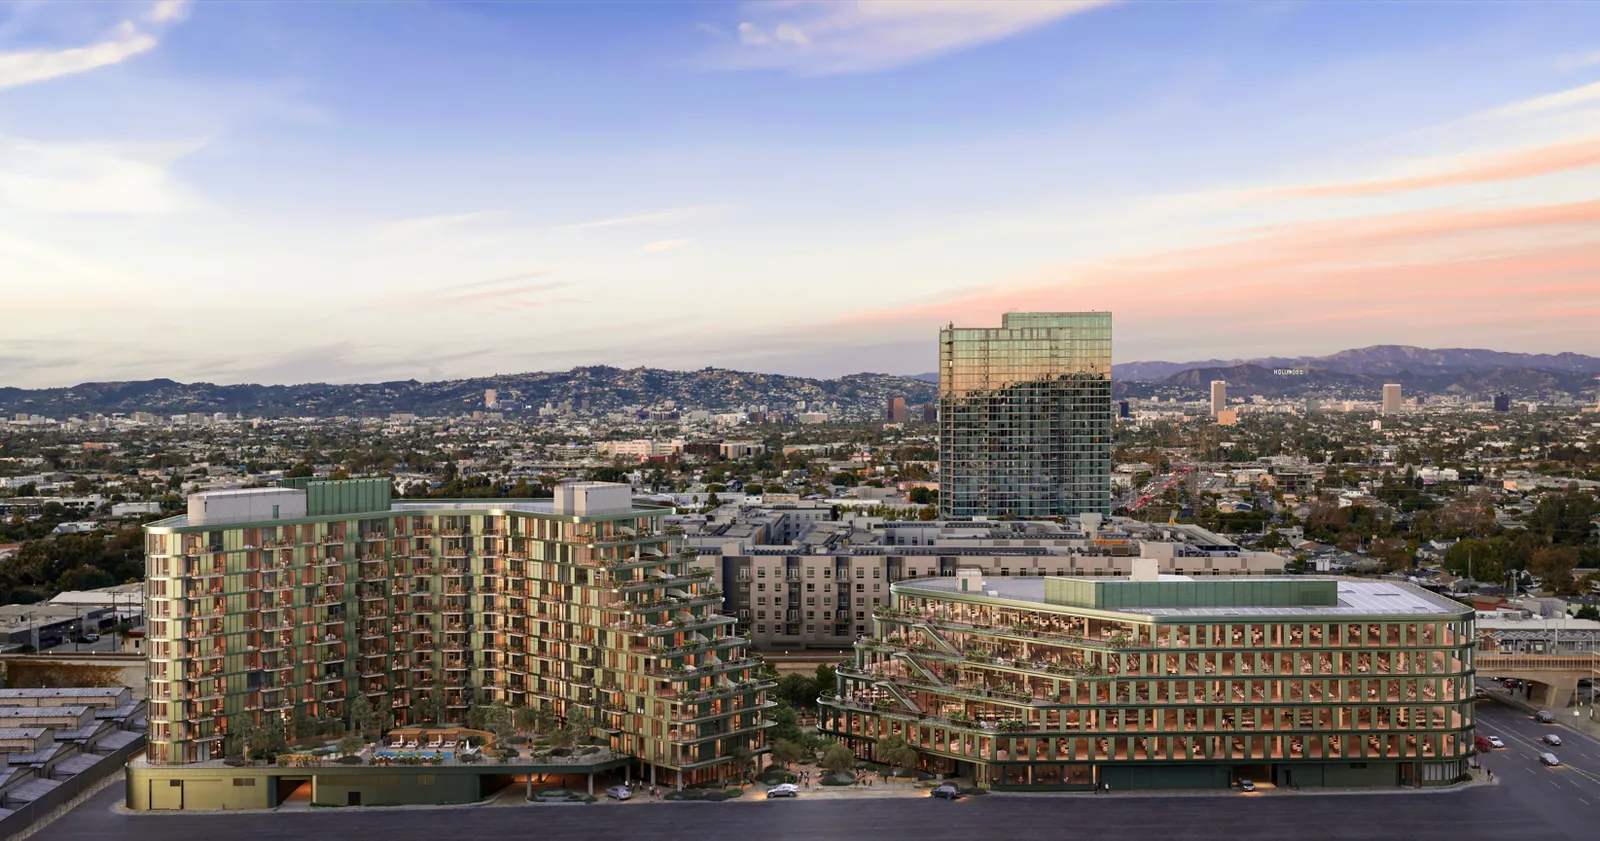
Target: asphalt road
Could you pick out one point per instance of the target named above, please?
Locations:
(1574, 787)
(1495, 812)
(1528, 801)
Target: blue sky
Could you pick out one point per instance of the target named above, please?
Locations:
(285, 192)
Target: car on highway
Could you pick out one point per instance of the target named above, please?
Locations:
(1496, 742)
(1544, 717)
(91, 637)
(783, 790)
(1246, 784)
(1552, 740)
(619, 793)
(947, 793)
(1550, 759)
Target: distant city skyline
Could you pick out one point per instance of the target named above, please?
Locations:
(348, 192)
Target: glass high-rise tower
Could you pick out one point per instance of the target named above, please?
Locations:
(1025, 416)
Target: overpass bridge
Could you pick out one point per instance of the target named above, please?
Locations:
(1550, 680)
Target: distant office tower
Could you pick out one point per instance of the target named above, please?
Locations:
(1025, 416)
(1228, 417)
(1123, 410)
(1502, 402)
(895, 412)
(490, 398)
(930, 413)
(1219, 396)
(1391, 398)
(1312, 406)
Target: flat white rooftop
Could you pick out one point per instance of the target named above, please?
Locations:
(1356, 598)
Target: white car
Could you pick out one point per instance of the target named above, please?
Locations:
(784, 790)
(619, 793)
(1495, 742)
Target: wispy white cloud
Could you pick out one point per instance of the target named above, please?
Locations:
(29, 66)
(401, 229)
(168, 11)
(858, 36)
(1549, 102)
(676, 214)
(1578, 61)
(662, 245)
(92, 177)
(126, 40)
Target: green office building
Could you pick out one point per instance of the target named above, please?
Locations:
(1165, 682)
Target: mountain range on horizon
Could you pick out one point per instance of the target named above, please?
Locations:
(1377, 360)
(1352, 373)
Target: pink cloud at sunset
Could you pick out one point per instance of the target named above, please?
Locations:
(1481, 169)
(1435, 266)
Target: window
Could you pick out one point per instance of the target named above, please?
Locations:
(860, 601)
(861, 588)
(875, 572)
(874, 588)
(760, 587)
(811, 572)
(761, 614)
(761, 573)
(810, 588)
(861, 572)
(761, 629)
(242, 782)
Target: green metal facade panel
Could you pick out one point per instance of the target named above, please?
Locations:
(1113, 595)
(350, 496)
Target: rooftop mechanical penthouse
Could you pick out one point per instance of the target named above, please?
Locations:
(1165, 682)
(267, 601)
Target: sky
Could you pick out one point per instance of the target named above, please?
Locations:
(360, 191)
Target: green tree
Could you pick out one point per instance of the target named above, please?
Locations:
(299, 471)
(529, 719)
(786, 724)
(1554, 565)
(430, 707)
(827, 680)
(561, 737)
(799, 690)
(242, 735)
(1588, 611)
(351, 743)
(837, 758)
(362, 715)
(499, 720)
(785, 752)
(897, 753)
(273, 738)
(303, 726)
(744, 761)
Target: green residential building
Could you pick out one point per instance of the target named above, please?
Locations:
(268, 603)
(1165, 682)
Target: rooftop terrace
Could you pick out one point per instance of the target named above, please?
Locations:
(1351, 598)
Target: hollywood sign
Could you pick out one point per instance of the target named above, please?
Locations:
(1289, 372)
